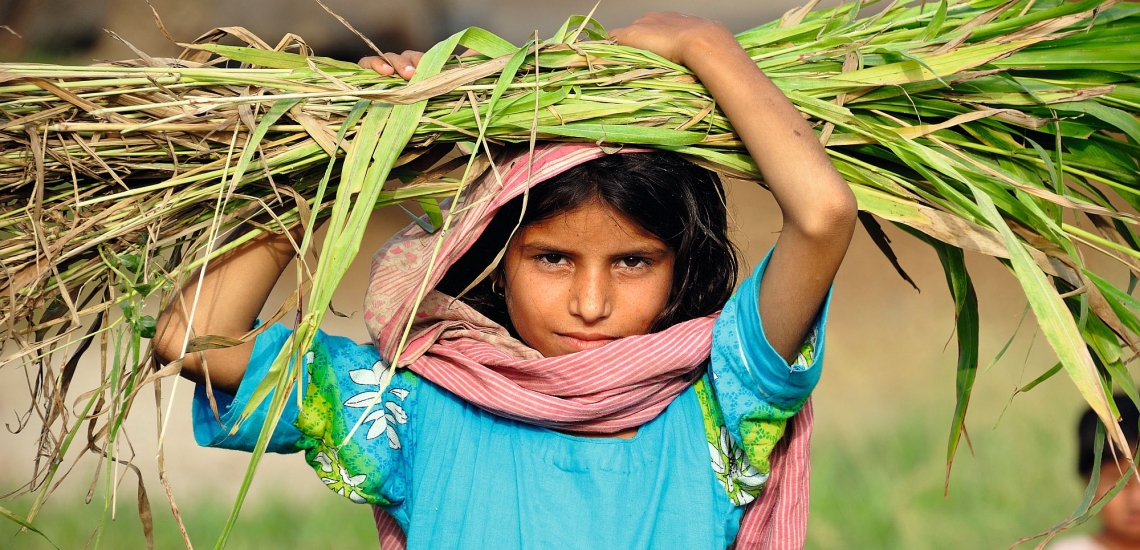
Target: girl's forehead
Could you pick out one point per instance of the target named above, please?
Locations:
(593, 220)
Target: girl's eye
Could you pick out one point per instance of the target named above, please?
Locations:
(633, 262)
(553, 259)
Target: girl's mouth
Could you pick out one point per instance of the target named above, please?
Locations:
(581, 341)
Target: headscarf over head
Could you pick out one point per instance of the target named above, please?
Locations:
(622, 385)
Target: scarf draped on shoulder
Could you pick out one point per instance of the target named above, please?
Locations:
(622, 385)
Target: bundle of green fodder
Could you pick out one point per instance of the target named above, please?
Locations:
(1004, 128)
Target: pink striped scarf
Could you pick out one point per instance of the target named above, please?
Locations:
(619, 386)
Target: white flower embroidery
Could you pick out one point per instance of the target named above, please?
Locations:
(325, 461)
(349, 484)
(383, 419)
(741, 480)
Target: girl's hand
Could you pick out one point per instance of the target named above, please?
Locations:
(818, 207)
(675, 36)
(399, 64)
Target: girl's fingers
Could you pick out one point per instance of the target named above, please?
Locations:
(402, 64)
(414, 57)
(376, 63)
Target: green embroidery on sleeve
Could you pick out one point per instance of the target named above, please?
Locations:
(347, 470)
(807, 351)
(741, 481)
(762, 428)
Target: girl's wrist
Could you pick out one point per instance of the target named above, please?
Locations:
(714, 49)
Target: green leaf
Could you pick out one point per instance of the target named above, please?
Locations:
(966, 326)
(1045, 376)
(623, 134)
(270, 59)
(1120, 120)
(1053, 317)
(130, 262)
(26, 525)
(146, 326)
(1122, 304)
(435, 215)
(935, 25)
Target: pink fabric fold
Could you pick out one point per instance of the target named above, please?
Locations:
(619, 386)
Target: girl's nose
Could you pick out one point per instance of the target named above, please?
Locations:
(590, 297)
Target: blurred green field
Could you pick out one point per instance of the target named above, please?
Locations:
(878, 492)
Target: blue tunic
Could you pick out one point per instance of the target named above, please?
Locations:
(455, 476)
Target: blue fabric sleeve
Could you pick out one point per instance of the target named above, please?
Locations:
(751, 380)
(357, 437)
(209, 432)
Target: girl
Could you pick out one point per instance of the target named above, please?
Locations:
(586, 393)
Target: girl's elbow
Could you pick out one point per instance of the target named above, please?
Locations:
(163, 344)
(834, 218)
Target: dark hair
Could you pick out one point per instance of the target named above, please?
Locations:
(672, 198)
(1086, 433)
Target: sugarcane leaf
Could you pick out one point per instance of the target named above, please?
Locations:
(435, 215)
(1054, 177)
(1118, 119)
(426, 225)
(1008, 343)
(930, 67)
(883, 242)
(480, 40)
(966, 326)
(641, 135)
(505, 79)
(1053, 317)
(1011, 24)
(275, 112)
(1123, 304)
(582, 24)
(395, 125)
(1122, 378)
(966, 321)
(269, 59)
(25, 524)
(1102, 339)
(1044, 376)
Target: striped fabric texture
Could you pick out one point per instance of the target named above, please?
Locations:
(619, 386)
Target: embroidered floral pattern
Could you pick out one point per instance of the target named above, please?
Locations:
(335, 476)
(348, 382)
(740, 479)
(384, 415)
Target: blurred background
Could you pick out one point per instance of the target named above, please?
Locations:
(883, 407)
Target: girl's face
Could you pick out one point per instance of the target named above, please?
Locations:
(584, 278)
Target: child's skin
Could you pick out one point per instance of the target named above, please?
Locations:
(1120, 518)
(589, 276)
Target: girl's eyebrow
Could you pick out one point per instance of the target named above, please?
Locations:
(543, 247)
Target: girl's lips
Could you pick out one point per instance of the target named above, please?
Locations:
(582, 342)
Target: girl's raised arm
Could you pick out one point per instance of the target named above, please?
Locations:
(818, 207)
(233, 291)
